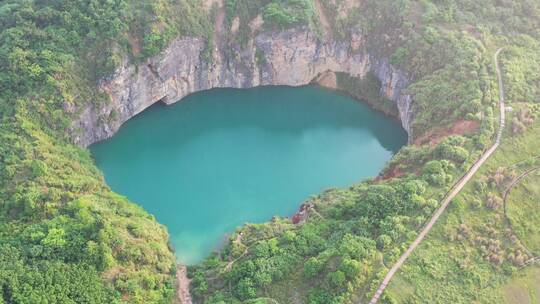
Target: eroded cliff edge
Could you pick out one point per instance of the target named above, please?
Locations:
(294, 57)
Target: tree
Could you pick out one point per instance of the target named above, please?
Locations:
(245, 289)
(336, 279)
(351, 268)
(312, 267)
(55, 238)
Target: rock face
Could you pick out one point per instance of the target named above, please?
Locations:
(293, 58)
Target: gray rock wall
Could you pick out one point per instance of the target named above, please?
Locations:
(293, 58)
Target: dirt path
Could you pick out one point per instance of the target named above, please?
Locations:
(182, 286)
(452, 194)
(516, 181)
(327, 29)
(219, 24)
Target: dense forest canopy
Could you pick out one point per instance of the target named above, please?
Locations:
(65, 237)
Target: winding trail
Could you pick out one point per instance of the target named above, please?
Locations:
(454, 191)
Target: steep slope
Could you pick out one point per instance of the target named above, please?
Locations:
(64, 236)
(293, 57)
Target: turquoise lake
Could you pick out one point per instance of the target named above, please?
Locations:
(221, 158)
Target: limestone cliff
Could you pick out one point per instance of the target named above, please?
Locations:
(294, 57)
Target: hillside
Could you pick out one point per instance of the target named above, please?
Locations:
(72, 72)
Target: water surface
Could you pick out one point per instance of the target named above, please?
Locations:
(221, 158)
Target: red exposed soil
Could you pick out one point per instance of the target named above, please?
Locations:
(302, 213)
(393, 172)
(461, 127)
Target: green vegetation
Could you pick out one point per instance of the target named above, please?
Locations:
(521, 74)
(284, 14)
(442, 46)
(474, 254)
(523, 211)
(65, 237)
(276, 15)
(58, 220)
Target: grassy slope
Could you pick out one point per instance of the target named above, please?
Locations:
(451, 266)
(524, 212)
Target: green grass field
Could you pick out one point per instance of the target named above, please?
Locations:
(523, 288)
(472, 255)
(523, 209)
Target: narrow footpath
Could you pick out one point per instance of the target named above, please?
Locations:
(455, 190)
(183, 295)
(327, 29)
